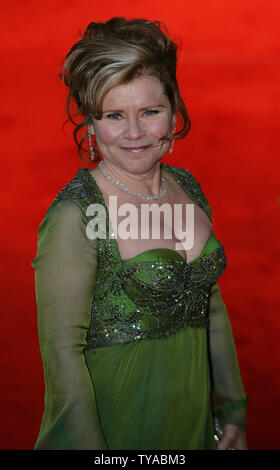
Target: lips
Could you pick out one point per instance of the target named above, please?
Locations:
(136, 149)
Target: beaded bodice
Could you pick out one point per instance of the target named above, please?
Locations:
(146, 297)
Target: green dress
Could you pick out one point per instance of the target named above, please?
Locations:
(132, 349)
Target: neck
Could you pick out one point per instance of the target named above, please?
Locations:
(147, 183)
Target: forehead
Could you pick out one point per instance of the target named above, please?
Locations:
(141, 91)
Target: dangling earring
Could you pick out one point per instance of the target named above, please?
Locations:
(172, 141)
(172, 145)
(92, 154)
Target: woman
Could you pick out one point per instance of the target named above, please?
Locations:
(133, 331)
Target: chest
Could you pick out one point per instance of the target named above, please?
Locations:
(175, 221)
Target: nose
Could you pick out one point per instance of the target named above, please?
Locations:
(134, 129)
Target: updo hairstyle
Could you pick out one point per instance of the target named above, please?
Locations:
(111, 54)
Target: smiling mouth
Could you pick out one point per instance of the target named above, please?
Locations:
(136, 149)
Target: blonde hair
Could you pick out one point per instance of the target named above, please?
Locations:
(113, 53)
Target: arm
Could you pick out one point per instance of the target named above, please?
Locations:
(231, 399)
(65, 270)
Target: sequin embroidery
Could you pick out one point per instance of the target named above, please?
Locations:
(140, 300)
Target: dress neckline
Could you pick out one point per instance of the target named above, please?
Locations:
(168, 250)
(172, 254)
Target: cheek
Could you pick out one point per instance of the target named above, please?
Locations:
(106, 134)
(160, 128)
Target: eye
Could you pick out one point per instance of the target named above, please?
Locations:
(150, 112)
(113, 116)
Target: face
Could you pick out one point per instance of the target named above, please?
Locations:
(135, 117)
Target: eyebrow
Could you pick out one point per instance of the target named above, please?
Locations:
(141, 109)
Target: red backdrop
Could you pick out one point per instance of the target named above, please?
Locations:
(229, 76)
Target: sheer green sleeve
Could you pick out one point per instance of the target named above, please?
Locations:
(65, 270)
(231, 399)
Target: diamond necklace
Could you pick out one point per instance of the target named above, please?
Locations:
(134, 193)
